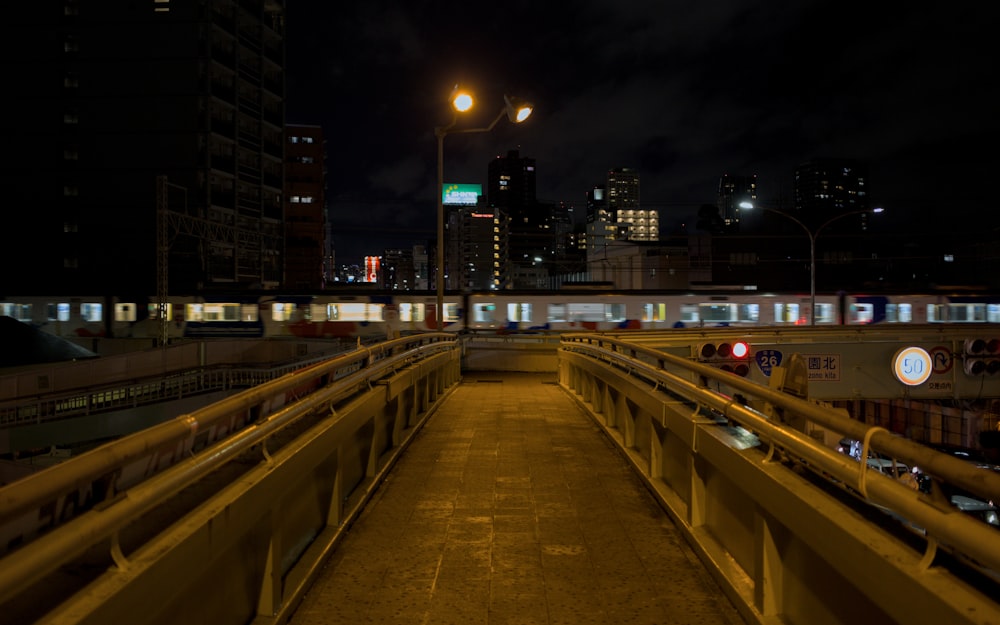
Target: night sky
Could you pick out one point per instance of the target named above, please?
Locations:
(680, 91)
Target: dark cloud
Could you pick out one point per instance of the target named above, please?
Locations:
(681, 91)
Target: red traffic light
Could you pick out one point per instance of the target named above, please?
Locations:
(731, 356)
(741, 349)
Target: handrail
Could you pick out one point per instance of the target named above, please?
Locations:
(29, 492)
(943, 522)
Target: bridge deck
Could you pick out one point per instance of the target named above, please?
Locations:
(512, 507)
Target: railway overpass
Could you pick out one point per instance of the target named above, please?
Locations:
(234, 507)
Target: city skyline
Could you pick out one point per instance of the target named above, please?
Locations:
(685, 95)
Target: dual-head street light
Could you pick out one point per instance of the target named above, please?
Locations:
(516, 111)
(812, 234)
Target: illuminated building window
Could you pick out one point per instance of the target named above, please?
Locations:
(161, 6)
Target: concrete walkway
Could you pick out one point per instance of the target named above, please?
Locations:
(511, 507)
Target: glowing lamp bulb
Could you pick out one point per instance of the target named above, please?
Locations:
(462, 102)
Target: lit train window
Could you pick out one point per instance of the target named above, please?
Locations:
(654, 312)
(899, 313)
(936, 313)
(154, 310)
(993, 313)
(282, 311)
(356, 312)
(615, 312)
(557, 312)
(58, 312)
(967, 313)
(21, 312)
(411, 312)
(750, 312)
(125, 312)
(689, 313)
(862, 313)
(92, 312)
(519, 312)
(316, 312)
(213, 312)
(249, 312)
(825, 312)
(585, 312)
(786, 313)
(450, 312)
(484, 313)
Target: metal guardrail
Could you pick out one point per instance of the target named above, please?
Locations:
(83, 501)
(633, 386)
(139, 392)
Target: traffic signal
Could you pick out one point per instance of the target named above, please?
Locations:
(731, 356)
(982, 356)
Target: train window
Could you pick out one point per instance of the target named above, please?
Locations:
(249, 312)
(825, 312)
(689, 313)
(717, 313)
(124, 312)
(862, 313)
(615, 312)
(786, 313)
(282, 311)
(936, 313)
(899, 313)
(411, 312)
(654, 312)
(450, 312)
(993, 313)
(585, 312)
(357, 312)
(92, 312)
(58, 311)
(967, 313)
(21, 312)
(519, 312)
(219, 312)
(557, 312)
(154, 310)
(484, 313)
(750, 312)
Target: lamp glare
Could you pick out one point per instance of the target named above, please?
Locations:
(462, 102)
(522, 114)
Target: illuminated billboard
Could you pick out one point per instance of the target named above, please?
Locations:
(371, 268)
(461, 194)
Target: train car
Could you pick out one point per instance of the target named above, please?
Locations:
(374, 315)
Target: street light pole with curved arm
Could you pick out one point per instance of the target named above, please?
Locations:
(516, 111)
(812, 234)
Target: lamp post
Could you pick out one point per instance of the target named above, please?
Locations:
(812, 234)
(461, 101)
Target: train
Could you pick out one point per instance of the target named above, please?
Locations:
(372, 315)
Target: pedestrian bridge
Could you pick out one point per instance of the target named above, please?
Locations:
(238, 512)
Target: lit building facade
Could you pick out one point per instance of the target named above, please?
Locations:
(631, 220)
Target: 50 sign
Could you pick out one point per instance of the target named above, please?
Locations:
(912, 365)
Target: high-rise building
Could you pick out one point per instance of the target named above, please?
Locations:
(511, 188)
(733, 190)
(828, 187)
(147, 146)
(600, 222)
(636, 223)
(305, 207)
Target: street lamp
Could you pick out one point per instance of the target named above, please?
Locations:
(461, 101)
(812, 234)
